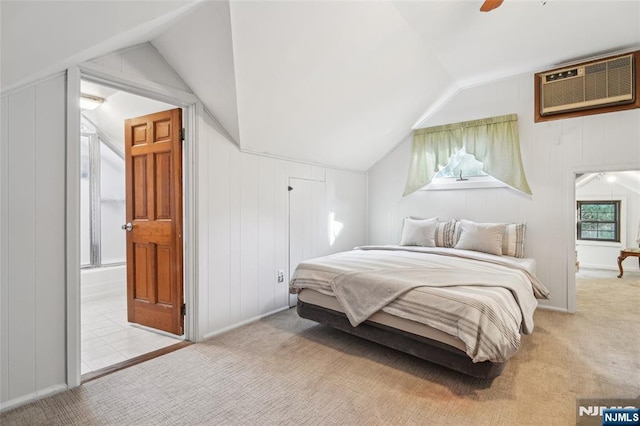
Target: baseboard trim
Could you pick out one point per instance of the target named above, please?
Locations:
(605, 267)
(242, 323)
(33, 396)
(553, 308)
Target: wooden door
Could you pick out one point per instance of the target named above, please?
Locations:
(308, 223)
(153, 162)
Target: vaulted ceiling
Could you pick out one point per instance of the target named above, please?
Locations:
(629, 180)
(336, 83)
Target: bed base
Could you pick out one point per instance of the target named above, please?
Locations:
(421, 347)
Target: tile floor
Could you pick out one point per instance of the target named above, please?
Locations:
(107, 337)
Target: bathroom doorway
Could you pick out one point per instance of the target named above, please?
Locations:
(107, 337)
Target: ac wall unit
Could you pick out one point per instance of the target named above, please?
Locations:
(588, 86)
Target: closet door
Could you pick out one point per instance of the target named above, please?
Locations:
(308, 223)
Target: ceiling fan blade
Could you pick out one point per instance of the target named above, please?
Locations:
(489, 5)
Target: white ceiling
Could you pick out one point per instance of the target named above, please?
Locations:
(630, 180)
(38, 38)
(118, 106)
(337, 83)
(199, 48)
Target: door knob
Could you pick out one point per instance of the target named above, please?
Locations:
(127, 226)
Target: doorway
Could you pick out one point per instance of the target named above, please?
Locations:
(607, 220)
(107, 336)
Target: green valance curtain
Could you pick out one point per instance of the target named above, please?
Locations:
(494, 141)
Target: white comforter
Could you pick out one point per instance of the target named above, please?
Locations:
(482, 299)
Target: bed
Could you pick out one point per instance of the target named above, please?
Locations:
(462, 309)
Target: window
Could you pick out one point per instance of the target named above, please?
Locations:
(599, 220)
(461, 164)
(462, 171)
(493, 141)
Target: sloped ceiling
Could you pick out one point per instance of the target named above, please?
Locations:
(43, 37)
(521, 35)
(332, 82)
(336, 83)
(109, 118)
(199, 48)
(630, 180)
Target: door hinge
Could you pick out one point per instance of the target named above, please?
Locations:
(183, 310)
(182, 134)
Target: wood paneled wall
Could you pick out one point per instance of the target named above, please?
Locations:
(243, 211)
(243, 214)
(243, 227)
(32, 256)
(242, 224)
(551, 152)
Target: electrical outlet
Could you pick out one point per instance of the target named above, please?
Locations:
(280, 276)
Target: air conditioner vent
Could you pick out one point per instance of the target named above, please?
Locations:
(588, 86)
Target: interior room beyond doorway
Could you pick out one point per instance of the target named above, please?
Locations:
(107, 338)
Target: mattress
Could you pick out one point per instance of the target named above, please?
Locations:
(380, 317)
(475, 302)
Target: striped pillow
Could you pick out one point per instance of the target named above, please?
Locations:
(446, 235)
(513, 239)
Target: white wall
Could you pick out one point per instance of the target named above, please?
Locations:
(552, 152)
(142, 61)
(32, 236)
(242, 223)
(604, 255)
(98, 283)
(242, 201)
(243, 227)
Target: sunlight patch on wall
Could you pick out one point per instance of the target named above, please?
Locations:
(335, 228)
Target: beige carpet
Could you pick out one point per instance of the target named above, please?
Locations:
(286, 370)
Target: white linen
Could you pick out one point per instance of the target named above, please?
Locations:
(419, 232)
(484, 237)
(487, 308)
(525, 264)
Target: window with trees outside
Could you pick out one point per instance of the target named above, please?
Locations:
(599, 220)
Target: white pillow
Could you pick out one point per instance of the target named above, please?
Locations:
(419, 232)
(484, 237)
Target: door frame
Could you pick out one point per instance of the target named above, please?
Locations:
(192, 108)
(570, 218)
